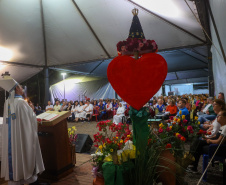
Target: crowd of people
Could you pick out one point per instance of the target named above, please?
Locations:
(211, 112)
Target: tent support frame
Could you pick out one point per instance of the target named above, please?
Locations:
(91, 29)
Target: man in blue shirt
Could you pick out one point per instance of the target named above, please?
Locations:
(184, 111)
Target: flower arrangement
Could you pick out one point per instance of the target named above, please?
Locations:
(112, 136)
(97, 162)
(72, 135)
(110, 142)
(172, 135)
(131, 45)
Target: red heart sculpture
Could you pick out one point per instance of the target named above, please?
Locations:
(136, 81)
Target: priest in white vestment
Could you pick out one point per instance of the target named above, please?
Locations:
(119, 114)
(21, 153)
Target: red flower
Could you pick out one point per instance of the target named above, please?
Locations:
(189, 128)
(185, 121)
(179, 136)
(168, 145)
(168, 129)
(96, 145)
(149, 140)
(209, 133)
(160, 130)
(183, 138)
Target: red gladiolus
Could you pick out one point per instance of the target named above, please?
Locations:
(191, 131)
(168, 145)
(203, 132)
(209, 133)
(160, 130)
(96, 145)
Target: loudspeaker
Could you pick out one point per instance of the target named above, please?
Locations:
(83, 143)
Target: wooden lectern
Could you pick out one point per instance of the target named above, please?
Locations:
(54, 143)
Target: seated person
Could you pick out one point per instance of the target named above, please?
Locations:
(109, 109)
(188, 105)
(69, 108)
(63, 107)
(49, 106)
(119, 114)
(200, 147)
(89, 110)
(208, 111)
(81, 114)
(172, 108)
(127, 109)
(57, 106)
(102, 110)
(184, 111)
(74, 111)
(221, 96)
(38, 109)
(160, 105)
(218, 105)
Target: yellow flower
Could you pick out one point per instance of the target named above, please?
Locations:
(198, 122)
(170, 127)
(161, 125)
(100, 147)
(111, 150)
(183, 116)
(196, 117)
(72, 132)
(74, 128)
(148, 125)
(180, 112)
(175, 119)
(69, 129)
(104, 145)
(177, 134)
(116, 137)
(128, 136)
(121, 141)
(178, 121)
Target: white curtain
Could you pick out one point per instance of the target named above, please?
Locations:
(77, 91)
(181, 89)
(219, 67)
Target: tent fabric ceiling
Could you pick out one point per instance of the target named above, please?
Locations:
(68, 38)
(20, 73)
(185, 65)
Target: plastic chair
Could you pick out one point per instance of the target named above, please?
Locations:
(95, 114)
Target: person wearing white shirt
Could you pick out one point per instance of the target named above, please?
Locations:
(49, 106)
(81, 114)
(119, 114)
(57, 106)
(88, 110)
